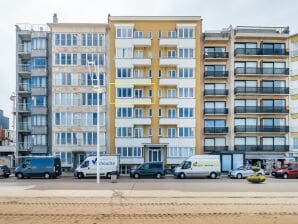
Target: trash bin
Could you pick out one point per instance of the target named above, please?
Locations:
(114, 176)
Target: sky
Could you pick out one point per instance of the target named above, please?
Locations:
(216, 14)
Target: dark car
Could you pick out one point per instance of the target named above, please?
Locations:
(4, 171)
(47, 167)
(154, 169)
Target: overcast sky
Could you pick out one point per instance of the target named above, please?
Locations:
(216, 14)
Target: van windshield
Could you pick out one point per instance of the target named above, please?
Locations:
(85, 164)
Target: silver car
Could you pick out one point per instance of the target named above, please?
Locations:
(243, 172)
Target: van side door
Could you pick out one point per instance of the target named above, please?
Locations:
(27, 169)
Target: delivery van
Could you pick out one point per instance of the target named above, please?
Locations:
(47, 167)
(199, 166)
(108, 164)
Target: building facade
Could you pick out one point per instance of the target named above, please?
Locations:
(4, 121)
(165, 91)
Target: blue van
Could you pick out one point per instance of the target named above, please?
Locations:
(47, 167)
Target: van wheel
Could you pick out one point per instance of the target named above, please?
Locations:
(47, 176)
(80, 175)
(182, 176)
(158, 175)
(239, 176)
(109, 175)
(136, 176)
(285, 176)
(213, 175)
(20, 176)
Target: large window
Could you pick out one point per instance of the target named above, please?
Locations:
(124, 32)
(66, 118)
(91, 99)
(186, 32)
(39, 120)
(215, 123)
(38, 82)
(89, 138)
(91, 79)
(65, 99)
(246, 140)
(39, 140)
(124, 73)
(124, 112)
(64, 79)
(186, 73)
(129, 151)
(39, 101)
(124, 132)
(172, 133)
(65, 157)
(186, 132)
(66, 39)
(39, 63)
(184, 152)
(186, 112)
(93, 59)
(214, 142)
(186, 52)
(124, 92)
(39, 43)
(124, 52)
(186, 92)
(65, 138)
(90, 119)
(65, 59)
(92, 39)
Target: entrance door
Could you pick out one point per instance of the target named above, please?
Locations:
(81, 158)
(154, 155)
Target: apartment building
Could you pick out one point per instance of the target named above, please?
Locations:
(246, 93)
(294, 96)
(154, 101)
(32, 74)
(78, 87)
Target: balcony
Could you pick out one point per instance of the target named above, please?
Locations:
(133, 42)
(128, 101)
(177, 101)
(177, 42)
(216, 55)
(180, 122)
(24, 126)
(216, 92)
(261, 109)
(24, 68)
(131, 62)
(24, 107)
(179, 62)
(216, 74)
(262, 90)
(255, 128)
(215, 148)
(130, 122)
(24, 88)
(178, 141)
(262, 148)
(131, 141)
(216, 130)
(216, 111)
(24, 147)
(261, 51)
(261, 71)
(24, 50)
(187, 82)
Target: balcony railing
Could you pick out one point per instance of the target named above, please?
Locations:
(24, 68)
(260, 109)
(24, 87)
(255, 128)
(24, 147)
(216, 74)
(216, 92)
(215, 148)
(216, 110)
(26, 107)
(260, 51)
(216, 54)
(268, 148)
(263, 71)
(24, 126)
(24, 48)
(262, 90)
(217, 130)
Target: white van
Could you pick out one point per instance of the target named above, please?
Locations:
(107, 165)
(199, 166)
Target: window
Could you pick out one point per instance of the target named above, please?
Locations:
(172, 34)
(172, 133)
(92, 39)
(214, 105)
(65, 157)
(89, 138)
(91, 99)
(171, 54)
(186, 52)
(138, 73)
(124, 92)
(159, 132)
(39, 43)
(186, 32)
(214, 142)
(39, 140)
(91, 79)
(62, 39)
(186, 73)
(129, 151)
(186, 93)
(186, 132)
(124, 52)
(171, 93)
(92, 59)
(274, 103)
(150, 113)
(124, 32)
(65, 138)
(273, 122)
(184, 152)
(124, 112)
(138, 112)
(150, 131)
(245, 140)
(124, 132)
(138, 132)
(186, 112)
(38, 62)
(65, 99)
(39, 101)
(245, 103)
(38, 82)
(295, 145)
(39, 120)
(171, 74)
(65, 59)
(215, 123)
(138, 93)
(66, 118)
(159, 112)
(269, 141)
(138, 34)
(171, 113)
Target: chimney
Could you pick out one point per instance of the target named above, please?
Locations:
(55, 18)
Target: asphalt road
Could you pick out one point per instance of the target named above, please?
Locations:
(222, 184)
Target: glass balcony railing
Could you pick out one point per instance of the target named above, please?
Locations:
(215, 148)
(216, 54)
(216, 110)
(261, 71)
(216, 92)
(217, 130)
(261, 109)
(262, 90)
(260, 51)
(256, 128)
(216, 74)
(270, 148)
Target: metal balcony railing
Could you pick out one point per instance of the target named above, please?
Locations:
(216, 54)
(216, 110)
(261, 71)
(24, 126)
(260, 109)
(260, 51)
(24, 48)
(216, 130)
(24, 68)
(215, 148)
(268, 148)
(24, 87)
(262, 90)
(256, 128)
(26, 107)
(216, 92)
(216, 74)
(24, 147)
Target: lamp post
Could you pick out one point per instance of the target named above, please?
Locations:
(98, 90)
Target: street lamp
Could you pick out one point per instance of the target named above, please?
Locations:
(98, 90)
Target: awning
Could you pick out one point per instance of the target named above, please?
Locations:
(265, 156)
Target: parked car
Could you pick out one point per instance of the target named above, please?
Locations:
(153, 169)
(243, 172)
(288, 172)
(47, 167)
(199, 166)
(4, 171)
(108, 164)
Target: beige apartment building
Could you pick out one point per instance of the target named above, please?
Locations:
(166, 91)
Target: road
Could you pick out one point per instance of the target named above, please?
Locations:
(69, 200)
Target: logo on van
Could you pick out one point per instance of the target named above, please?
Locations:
(105, 163)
